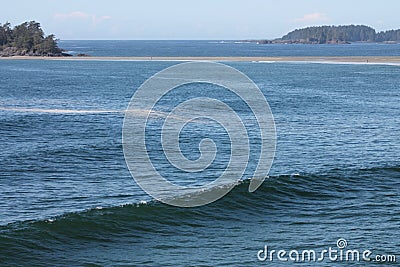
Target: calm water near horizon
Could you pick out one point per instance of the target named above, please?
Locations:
(223, 48)
(67, 197)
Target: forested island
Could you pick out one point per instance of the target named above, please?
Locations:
(337, 35)
(27, 39)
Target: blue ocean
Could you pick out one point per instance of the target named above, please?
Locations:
(67, 197)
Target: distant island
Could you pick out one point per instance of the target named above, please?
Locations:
(27, 39)
(335, 35)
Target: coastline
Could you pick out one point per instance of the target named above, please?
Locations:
(316, 59)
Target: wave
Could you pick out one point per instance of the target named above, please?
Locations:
(318, 186)
(279, 196)
(59, 111)
(135, 112)
(332, 62)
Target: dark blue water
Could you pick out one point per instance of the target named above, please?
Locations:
(67, 197)
(223, 48)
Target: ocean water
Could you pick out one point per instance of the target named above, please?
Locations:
(223, 49)
(67, 197)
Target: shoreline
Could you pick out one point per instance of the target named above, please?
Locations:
(312, 59)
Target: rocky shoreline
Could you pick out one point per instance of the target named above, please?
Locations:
(13, 51)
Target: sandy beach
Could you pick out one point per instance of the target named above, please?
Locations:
(355, 59)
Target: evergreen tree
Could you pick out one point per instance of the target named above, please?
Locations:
(27, 38)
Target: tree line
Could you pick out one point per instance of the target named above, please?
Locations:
(346, 33)
(27, 39)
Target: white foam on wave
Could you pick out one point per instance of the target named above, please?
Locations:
(356, 63)
(58, 111)
(332, 62)
(139, 112)
(136, 112)
(265, 61)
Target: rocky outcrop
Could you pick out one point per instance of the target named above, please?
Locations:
(13, 51)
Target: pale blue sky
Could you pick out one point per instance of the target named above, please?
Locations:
(189, 19)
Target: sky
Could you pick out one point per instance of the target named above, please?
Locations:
(194, 20)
